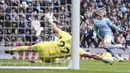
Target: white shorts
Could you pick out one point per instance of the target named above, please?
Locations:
(108, 39)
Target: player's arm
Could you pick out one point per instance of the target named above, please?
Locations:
(62, 34)
(49, 18)
(114, 26)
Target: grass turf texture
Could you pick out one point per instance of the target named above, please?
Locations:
(86, 66)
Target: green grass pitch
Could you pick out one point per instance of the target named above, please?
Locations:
(86, 66)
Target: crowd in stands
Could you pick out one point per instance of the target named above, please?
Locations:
(16, 18)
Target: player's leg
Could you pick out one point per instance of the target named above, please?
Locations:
(58, 60)
(109, 47)
(96, 56)
(115, 54)
(54, 61)
(46, 53)
(107, 43)
(17, 49)
(22, 48)
(36, 61)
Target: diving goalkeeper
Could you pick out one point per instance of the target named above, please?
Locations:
(50, 50)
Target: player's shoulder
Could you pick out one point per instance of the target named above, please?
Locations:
(63, 34)
(106, 18)
(96, 22)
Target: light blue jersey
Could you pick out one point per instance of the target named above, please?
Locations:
(103, 31)
(102, 27)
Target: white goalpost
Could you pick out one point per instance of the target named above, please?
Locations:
(75, 33)
(21, 60)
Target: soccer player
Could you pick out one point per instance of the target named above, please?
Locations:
(103, 30)
(51, 50)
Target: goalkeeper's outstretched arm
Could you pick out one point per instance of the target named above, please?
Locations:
(49, 18)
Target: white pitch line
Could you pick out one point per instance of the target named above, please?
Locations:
(107, 70)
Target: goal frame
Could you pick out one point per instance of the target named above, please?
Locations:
(75, 60)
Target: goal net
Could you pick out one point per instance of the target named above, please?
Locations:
(22, 23)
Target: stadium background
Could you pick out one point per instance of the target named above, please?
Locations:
(16, 29)
(16, 17)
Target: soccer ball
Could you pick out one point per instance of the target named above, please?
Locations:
(106, 54)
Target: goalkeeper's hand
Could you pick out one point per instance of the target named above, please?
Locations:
(9, 52)
(49, 17)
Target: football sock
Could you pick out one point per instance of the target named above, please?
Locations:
(114, 54)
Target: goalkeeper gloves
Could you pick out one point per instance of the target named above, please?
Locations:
(49, 17)
(9, 52)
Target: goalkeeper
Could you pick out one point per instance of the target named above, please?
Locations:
(50, 51)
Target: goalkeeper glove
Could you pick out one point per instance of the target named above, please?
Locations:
(9, 52)
(49, 17)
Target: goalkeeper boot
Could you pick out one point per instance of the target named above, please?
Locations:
(31, 61)
(58, 60)
(35, 61)
(9, 52)
(108, 60)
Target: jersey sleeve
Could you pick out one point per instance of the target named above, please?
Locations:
(109, 23)
(113, 26)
